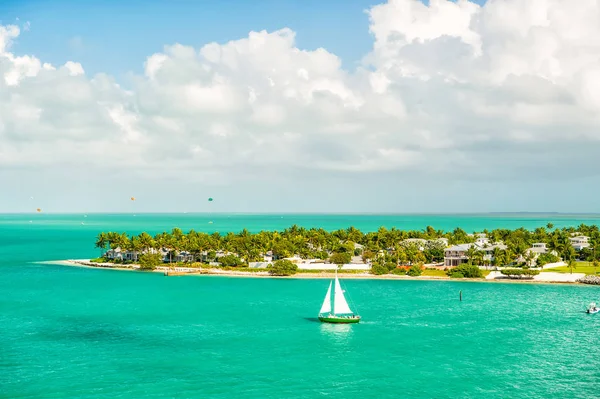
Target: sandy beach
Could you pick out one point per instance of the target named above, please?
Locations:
(494, 277)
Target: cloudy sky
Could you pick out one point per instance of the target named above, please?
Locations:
(300, 106)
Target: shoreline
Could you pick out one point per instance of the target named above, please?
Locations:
(178, 271)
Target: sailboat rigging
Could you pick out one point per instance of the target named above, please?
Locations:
(340, 312)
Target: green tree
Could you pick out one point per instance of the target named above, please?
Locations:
(466, 270)
(102, 242)
(520, 273)
(497, 257)
(471, 254)
(529, 258)
(378, 269)
(340, 258)
(230, 260)
(149, 261)
(282, 267)
(572, 264)
(415, 270)
(546, 258)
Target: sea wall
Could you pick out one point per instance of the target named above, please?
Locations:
(589, 279)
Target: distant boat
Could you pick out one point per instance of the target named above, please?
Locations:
(342, 314)
(592, 308)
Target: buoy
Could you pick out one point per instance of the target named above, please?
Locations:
(460, 294)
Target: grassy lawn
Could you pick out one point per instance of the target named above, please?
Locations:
(582, 267)
(434, 272)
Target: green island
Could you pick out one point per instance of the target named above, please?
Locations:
(501, 253)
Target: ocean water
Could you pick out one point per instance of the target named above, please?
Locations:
(68, 332)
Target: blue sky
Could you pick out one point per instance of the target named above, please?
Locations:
(116, 36)
(433, 126)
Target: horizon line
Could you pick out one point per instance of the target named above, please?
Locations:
(306, 213)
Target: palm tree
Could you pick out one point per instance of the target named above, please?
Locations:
(572, 264)
(146, 241)
(497, 256)
(569, 255)
(479, 257)
(471, 252)
(101, 242)
(529, 258)
(594, 242)
(134, 246)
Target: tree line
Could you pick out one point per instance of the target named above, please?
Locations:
(384, 246)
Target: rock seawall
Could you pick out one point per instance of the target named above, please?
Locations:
(589, 279)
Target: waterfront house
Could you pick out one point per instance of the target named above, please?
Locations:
(259, 265)
(184, 256)
(268, 256)
(419, 242)
(120, 255)
(579, 242)
(538, 248)
(114, 254)
(457, 254)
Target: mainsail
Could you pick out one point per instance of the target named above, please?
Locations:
(326, 308)
(340, 306)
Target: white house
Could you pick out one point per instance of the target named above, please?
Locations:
(119, 254)
(579, 242)
(538, 248)
(457, 254)
(259, 265)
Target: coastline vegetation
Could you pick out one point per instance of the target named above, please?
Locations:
(387, 251)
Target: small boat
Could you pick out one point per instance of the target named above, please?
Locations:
(592, 308)
(342, 314)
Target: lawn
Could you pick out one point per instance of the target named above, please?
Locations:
(581, 267)
(434, 272)
(441, 273)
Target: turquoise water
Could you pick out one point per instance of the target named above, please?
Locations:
(69, 332)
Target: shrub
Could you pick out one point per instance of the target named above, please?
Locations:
(340, 258)
(230, 260)
(390, 266)
(456, 275)
(546, 258)
(399, 271)
(282, 267)
(378, 269)
(415, 270)
(468, 271)
(100, 260)
(520, 273)
(149, 261)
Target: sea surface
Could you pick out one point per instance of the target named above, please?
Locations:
(69, 332)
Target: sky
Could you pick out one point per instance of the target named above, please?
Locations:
(401, 106)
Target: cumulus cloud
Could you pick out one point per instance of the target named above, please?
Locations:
(450, 90)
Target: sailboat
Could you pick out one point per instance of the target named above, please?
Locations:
(592, 308)
(341, 311)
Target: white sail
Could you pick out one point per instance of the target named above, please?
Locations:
(326, 308)
(340, 306)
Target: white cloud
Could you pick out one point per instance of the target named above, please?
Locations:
(448, 89)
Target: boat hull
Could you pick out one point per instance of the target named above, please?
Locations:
(339, 320)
